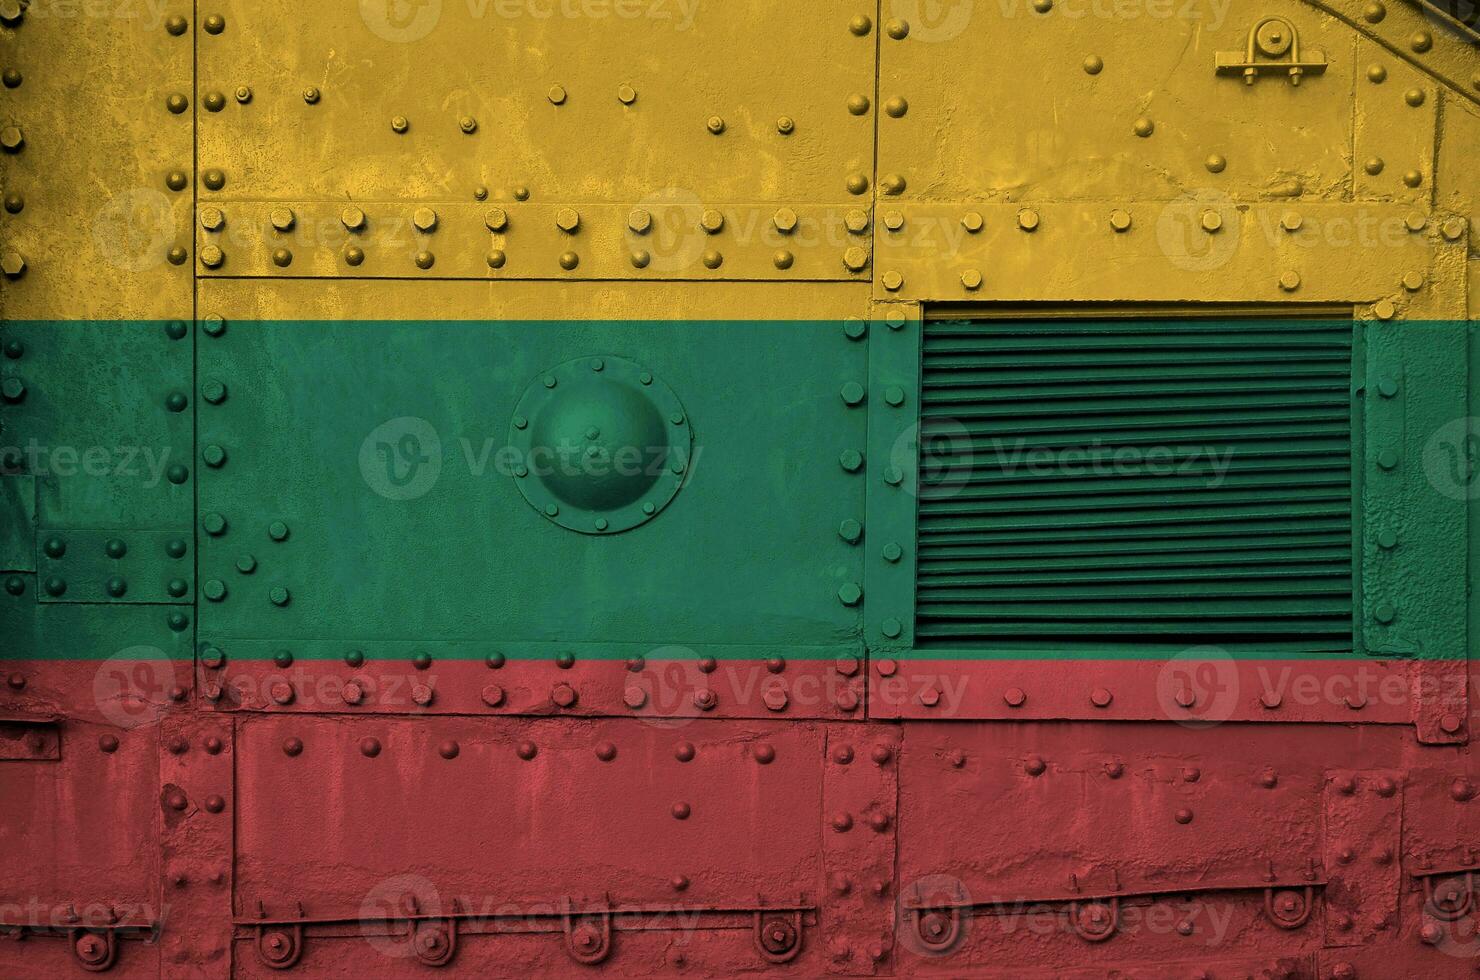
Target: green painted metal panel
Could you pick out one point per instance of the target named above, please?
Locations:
(365, 489)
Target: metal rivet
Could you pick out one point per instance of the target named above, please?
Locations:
(1027, 219)
(1290, 281)
(1412, 178)
(849, 593)
(556, 95)
(243, 94)
(897, 29)
(467, 124)
(892, 552)
(715, 125)
(860, 25)
(1093, 64)
(311, 95)
(858, 104)
(177, 103)
(400, 124)
(1143, 127)
(1384, 309)
(893, 281)
(425, 260)
(1120, 220)
(1216, 163)
(857, 184)
(215, 24)
(1373, 166)
(896, 106)
(855, 258)
(712, 259)
(783, 259)
(567, 220)
(971, 279)
(1291, 221)
(425, 219)
(785, 125)
(1414, 97)
(569, 260)
(711, 221)
(1421, 41)
(213, 101)
(1211, 221)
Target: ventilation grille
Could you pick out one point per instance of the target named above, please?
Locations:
(1135, 482)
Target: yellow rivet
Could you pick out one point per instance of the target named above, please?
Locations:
(893, 220)
(971, 279)
(1413, 282)
(352, 218)
(893, 281)
(639, 221)
(785, 220)
(1027, 219)
(1384, 310)
(1291, 221)
(972, 221)
(1144, 127)
(425, 219)
(282, 219)
(496, 219)
(712, 221)
(1211, 221)
(1120, 220)
(626, 94)
(567, 220)
(1290, 281)
(556, 95)
(855, 258)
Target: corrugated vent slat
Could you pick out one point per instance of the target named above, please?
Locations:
(1168, 482)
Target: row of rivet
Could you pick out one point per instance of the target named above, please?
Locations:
(496, 220)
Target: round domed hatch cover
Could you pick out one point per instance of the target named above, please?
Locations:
(599, 444)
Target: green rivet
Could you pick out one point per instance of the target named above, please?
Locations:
(1387, 387)
(893, 476)
(551, 510)
(214, 524)
(891, 628)
(894, 395)
(649, 508)
(1385, 613)
(855, 329)
(279, 596)
(278, 531)
(215, 590)
(851, 460)
(1387, 459)
(214, 456)
(893, 552)
(116, 548)
(246, 564)
(852, 393)
(850, 531)
(283, 658)
(1387, 539)
(850, 594)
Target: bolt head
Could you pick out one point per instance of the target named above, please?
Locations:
(12, 263)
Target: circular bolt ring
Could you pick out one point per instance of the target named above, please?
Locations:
(1449, 907)
(938, 929)
(1095, 921)
(94, 951)
(434, 943)
(1300, 911)
(588, 937)
(626, 408)
(279, 947)
(778, 937)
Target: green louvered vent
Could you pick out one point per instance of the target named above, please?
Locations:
(1136, 482)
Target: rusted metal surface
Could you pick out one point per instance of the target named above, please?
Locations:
(1049, 548)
